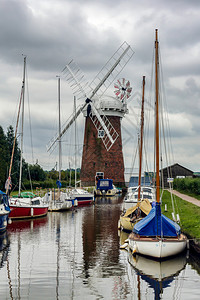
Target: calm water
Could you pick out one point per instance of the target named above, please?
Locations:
(75, 255)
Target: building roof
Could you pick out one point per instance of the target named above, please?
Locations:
(175, 165)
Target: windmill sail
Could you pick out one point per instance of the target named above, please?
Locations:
(111, 70)
(75, 78)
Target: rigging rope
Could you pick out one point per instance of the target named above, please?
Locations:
(30, 126)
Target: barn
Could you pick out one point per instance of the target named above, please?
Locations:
(175, 171)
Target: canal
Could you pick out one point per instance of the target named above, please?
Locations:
(76, 255)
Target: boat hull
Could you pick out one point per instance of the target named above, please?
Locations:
(24, 212)
(82, 196)
(109, 193)
(60, 206)
(158, 248)
(84, 200)
(3, 221)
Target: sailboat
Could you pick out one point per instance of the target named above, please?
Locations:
(26, 204)
(59, 201)
(156, 235)
(82, 196)
(133, 214)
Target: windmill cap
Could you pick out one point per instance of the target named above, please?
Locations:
(111, 106)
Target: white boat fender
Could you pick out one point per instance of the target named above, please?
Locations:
(178, 218)
(9, 221)
(119, 224)
(173, 217)
(123, 246)
(134, 251)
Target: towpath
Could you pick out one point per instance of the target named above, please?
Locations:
(187, 198)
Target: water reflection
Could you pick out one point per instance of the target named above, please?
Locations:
(76, 255)
(158, 274)
(21, 225)
(99, 235)
(4, 248)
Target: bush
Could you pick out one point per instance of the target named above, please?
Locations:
(190, 185)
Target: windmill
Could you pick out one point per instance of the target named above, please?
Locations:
(102, 130)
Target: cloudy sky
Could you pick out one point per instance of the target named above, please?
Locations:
(51, 32)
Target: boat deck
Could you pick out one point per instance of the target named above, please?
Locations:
(137, 237)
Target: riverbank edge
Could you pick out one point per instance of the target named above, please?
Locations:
(194, 244)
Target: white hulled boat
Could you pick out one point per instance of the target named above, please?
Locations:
(156, 235)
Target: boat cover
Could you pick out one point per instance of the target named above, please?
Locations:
(105, 184)
(156, 224)
(25, 195)
(144, 205)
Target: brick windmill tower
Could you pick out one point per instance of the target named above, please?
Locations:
(100, 159)
(102, 147)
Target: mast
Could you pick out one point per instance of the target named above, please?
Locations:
(75, 138)
(15, 137)
(157, 117)
(141, 138)
(70, 176)
(22, 127)
(59, 129)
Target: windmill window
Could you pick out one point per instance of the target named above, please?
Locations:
(100, 133)
(94, 164)
(106, 164)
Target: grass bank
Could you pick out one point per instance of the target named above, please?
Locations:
(188, 212)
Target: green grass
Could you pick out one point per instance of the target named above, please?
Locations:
(188, 212)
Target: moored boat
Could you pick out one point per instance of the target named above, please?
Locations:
(140, 194)
(59, 200)
(156, 235)
(146, 192)
(82, 196)
(27, 205)
(134, 214)
(4, 211)
(105, 187)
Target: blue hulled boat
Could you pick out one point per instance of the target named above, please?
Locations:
(4, 211)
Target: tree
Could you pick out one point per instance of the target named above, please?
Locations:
(37, 173)
(3, 158)
(16, 157)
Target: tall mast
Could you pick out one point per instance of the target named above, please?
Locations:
(157, 118)
(141, 138)
(75, 138)
(22, 126)
(15, 137)
(59, 129)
